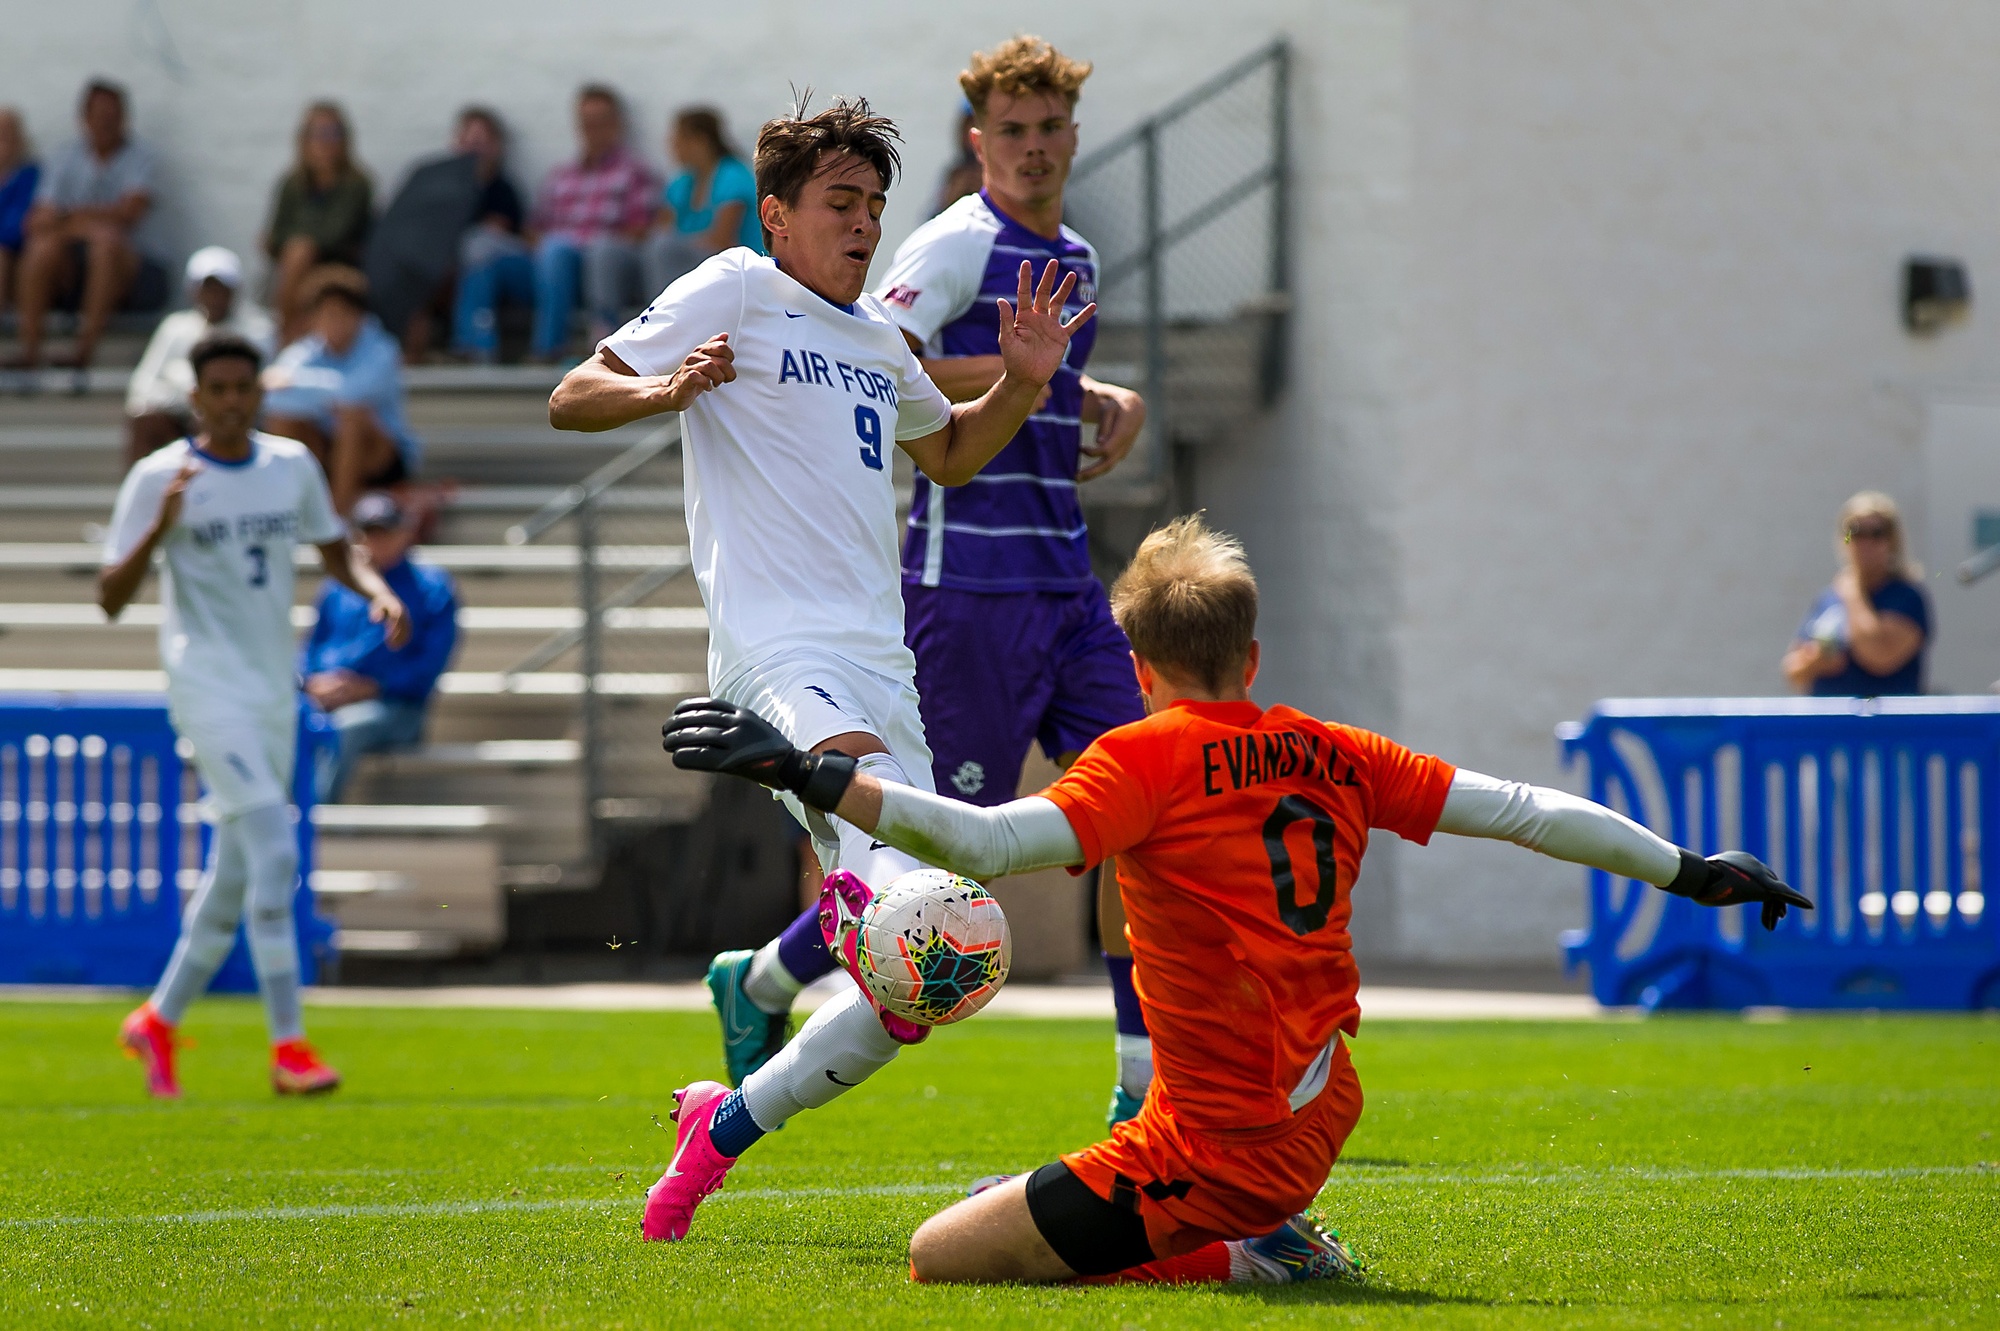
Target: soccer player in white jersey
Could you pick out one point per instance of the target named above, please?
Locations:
(795, 384)
(224, 510)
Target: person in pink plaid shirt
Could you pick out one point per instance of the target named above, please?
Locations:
(587, 223)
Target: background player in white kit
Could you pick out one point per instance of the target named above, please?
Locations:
(225, 510)
(792, 520)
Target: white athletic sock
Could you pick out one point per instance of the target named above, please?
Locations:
(207, 929)
(873, 862)
(842, 1046)
(1247, 1267)
(768, 984)
(1135, 1064)
(271, 855)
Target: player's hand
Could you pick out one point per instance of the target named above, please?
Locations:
(709, 365)
(1735, 878)
(175, 495)
(1121, 414)
(1033, 336)
(388, 611)
(710, 735)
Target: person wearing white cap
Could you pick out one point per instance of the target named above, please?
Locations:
(156, 401)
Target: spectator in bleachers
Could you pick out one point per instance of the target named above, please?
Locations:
(709, 207)
(89, 236)
(493, 263)
(339, 391)
(966, 175)
(320, 212)
(1865, 636)
(18, 174)
(376, 695)
(586, 227)
(156, 399)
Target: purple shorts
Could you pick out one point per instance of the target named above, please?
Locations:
(997, 672)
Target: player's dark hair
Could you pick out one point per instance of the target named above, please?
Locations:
(1188, 603)
(224, 346)
(791, 149)
(336, 281)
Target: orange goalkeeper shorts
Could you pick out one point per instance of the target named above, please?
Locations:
(1192, 1187)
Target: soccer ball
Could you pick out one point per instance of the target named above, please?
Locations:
(933, 947)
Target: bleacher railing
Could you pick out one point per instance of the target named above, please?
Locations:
(1875, 809)
(101, 833)
(596, 526)
(1189, 213)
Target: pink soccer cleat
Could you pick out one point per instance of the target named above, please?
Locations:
(842, 898)
(148, 1038)
(697, 1169)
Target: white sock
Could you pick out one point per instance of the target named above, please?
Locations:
(271, 856)
(768, 984)
(1135, 1064)
(873, 862)
(1247, 1267)
(208, 929)
(841, 1047)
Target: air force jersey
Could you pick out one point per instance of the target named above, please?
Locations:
(1017, 527)
(791, 507)
(226, 639)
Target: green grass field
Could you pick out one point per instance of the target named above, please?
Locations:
(487, 1168)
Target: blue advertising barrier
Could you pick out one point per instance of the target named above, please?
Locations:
(1878, 810)
(96, 807)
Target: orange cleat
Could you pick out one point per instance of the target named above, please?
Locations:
(297, 1070)
(148, 1038)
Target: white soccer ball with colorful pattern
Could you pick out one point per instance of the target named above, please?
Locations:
(933, 947)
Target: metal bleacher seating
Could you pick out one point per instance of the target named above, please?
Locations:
(421, 860)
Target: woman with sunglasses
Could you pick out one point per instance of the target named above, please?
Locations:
(1865, 635)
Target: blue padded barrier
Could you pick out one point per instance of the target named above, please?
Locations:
(96, 806)
(1882, 811)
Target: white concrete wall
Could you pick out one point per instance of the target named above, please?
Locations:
(1654, 342)
(1597, 318)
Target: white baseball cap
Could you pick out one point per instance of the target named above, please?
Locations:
(218, 262)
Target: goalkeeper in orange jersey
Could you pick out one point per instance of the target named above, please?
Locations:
(1238, 831)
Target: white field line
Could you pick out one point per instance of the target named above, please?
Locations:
(1344, 1177)
(352, 1212)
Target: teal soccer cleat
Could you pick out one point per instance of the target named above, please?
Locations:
(1123, 1107)
(1304, 1251)
(750, 1035)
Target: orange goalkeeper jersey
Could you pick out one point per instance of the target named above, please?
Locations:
(1239, 831)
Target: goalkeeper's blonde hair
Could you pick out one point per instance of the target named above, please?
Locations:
(1188, 603)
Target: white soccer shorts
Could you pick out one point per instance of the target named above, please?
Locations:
(813, 695)
(245, 759)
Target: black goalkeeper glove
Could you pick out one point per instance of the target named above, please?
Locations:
(710, 735)
(1734, 878)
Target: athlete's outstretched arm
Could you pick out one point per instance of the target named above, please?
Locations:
(384, 606)
(604, 392)
(1033, 341)
(710, 735)
(1567, 827)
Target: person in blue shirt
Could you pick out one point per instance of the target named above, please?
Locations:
(374, 694)
(709, 207)
(19, 175)
(339, 391)
(1866, 634)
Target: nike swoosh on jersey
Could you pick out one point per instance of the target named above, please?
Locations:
(878, 845)
(837, 1081)
(790, 315)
